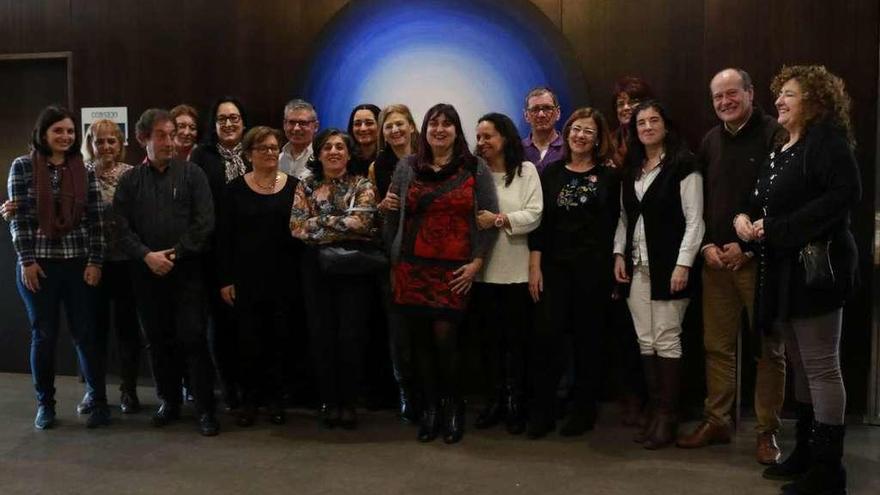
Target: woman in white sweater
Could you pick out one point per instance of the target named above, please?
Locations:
(503, 302)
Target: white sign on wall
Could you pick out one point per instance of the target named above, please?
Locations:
(116, 114)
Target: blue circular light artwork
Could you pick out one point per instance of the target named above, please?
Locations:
(479, 55)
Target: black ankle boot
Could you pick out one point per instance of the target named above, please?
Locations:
(826, 475)
(430, 424)
(516, 418)
(454, 415)
(801, 458)
(407, 411)
(328, 416)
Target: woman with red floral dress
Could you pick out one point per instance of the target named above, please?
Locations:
(437, 250)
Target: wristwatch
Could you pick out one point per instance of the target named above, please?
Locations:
(499, 220)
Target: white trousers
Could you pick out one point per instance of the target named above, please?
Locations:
(657, 323)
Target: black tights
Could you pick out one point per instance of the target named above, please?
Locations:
(436, 352)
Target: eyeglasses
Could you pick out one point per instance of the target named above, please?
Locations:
(535, 110)
(267, 149)
(232, 119)
(630, 103)
(583, 130)
(301, 123)
(191, 127)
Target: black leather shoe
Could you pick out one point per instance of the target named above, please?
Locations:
(328, 416)
(516, 418)
(348, 418)
(454, 415)
(247, 414)
(539, 428)
(100, 416)
(276, 414)
(581, 421)
(429, 425)
(129, 402)
(166, 414)
(86, 405)
(208, 425)
(231, 398)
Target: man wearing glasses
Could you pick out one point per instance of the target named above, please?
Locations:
(543, 145)
(165, 214)
(300, 126)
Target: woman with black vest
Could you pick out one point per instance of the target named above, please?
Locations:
(799, 218)
(658, 236)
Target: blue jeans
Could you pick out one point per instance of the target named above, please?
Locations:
(63, 284)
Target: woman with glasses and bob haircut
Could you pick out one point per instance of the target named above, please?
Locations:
(570, 270)
(256, 269)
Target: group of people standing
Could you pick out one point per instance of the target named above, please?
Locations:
(551, 243)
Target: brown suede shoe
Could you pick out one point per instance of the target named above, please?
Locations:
(706, 434)
(768, 451)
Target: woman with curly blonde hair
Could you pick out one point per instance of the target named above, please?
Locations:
(799, 221)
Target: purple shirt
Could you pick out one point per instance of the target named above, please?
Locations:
(533, 154)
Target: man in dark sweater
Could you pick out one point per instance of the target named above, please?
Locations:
(165, 216)
(730, 155)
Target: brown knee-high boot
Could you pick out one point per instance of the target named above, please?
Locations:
(666, 420)
(649, 365)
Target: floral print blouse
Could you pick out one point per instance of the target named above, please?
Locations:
(333, 210)
(107, 182)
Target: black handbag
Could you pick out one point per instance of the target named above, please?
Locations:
(816, 260)
(352, 257)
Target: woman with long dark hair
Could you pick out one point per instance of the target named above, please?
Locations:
(57, 233)
(221, 156)
(437, 250)
(363, 127)
(658, 236)
(807, 262)
(502, 289)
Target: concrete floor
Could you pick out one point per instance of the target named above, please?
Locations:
(381, 457)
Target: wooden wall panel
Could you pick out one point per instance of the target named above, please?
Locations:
(162, 52)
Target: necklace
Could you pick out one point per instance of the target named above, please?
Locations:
(267, 187)
(647, 167)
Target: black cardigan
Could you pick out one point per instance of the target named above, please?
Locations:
(664, 221)
(810, 200)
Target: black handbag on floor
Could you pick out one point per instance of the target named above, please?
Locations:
(352, 258)
(816, 260)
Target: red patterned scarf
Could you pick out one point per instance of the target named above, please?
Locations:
(58, 216)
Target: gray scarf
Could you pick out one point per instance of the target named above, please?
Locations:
(233, 161)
